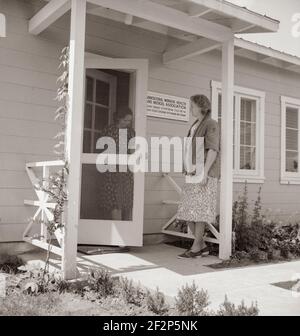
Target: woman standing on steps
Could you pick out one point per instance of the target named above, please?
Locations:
(199, 193)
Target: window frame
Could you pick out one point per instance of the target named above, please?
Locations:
(288, 177)
(111, 80)
(245, 175)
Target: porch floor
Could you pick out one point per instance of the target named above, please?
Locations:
(157, 266)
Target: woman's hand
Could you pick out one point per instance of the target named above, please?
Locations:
(204, 180)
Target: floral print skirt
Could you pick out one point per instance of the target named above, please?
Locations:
(117, 191)
(198, 203)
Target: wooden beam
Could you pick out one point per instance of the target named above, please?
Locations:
(140, 23)
(128, 19)
(242, 28)
(192, 49)
(74, 134)
(44, 245)
(47, 15)
(262, 58)
(169, 17)
(292, 67)
(226, 153)
(195, 11)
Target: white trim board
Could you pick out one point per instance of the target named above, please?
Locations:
(2, 25)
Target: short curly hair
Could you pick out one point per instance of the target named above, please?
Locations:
(203, 102)
(122, 112)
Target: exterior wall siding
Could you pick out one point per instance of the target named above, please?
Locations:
(28, 72)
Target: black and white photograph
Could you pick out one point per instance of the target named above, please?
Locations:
(149, 161)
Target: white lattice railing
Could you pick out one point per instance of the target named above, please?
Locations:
(187, 234)
(43, 213)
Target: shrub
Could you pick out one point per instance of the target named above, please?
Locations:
(9, 264)
(259, 239)
(191, 302)
(287, 240)
(229, 309)
(130, 293)
(240, 221)
(156, 303)
(100, 281)
(38, 281)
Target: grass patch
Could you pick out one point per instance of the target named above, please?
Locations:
(39, 293)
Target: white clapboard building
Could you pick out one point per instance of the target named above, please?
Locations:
(133, 52)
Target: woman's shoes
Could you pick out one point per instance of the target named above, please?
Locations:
(190, 254)
(187, 255)
(205, 251)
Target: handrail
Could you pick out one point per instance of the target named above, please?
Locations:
(43, 206)
(189, 234)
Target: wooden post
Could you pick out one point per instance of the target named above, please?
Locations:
(226, 149)
(74, 135)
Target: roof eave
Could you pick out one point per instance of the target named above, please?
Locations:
(266, 23)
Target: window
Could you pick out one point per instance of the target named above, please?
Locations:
(248, 131)
(290, 140)
(99, 106)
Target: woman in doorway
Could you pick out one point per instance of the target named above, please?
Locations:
(117, 195)
(199, 197)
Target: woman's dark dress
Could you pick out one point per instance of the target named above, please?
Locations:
(118, 186)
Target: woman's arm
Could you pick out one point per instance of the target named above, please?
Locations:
(212, 145)
(210, 159)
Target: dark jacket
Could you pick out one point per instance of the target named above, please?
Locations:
(209, 130)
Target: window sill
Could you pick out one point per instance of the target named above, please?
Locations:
(290, 180)
(248, 179)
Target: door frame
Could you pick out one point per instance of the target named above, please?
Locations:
(124, 233)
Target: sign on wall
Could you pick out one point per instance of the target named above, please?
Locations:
(168, 107)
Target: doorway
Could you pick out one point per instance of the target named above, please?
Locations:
(111, 211)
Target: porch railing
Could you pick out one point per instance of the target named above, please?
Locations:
(43, 213)
(187, 234)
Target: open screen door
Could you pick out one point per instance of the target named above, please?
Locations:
(112, 203)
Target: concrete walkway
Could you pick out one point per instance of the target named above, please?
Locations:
(157, 266)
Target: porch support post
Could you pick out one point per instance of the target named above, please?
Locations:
(74, 134)
(226, 149)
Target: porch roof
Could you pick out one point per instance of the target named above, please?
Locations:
(221, 16)
(188, 19)
(266, 55)
(200, 25)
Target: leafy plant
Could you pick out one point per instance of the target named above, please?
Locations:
(287, 240)
(192, 302)
(156, 302)
(240, 221)
(259, 238)
(38, 281)
(100, 281)
(131, 293)
(229, 309)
